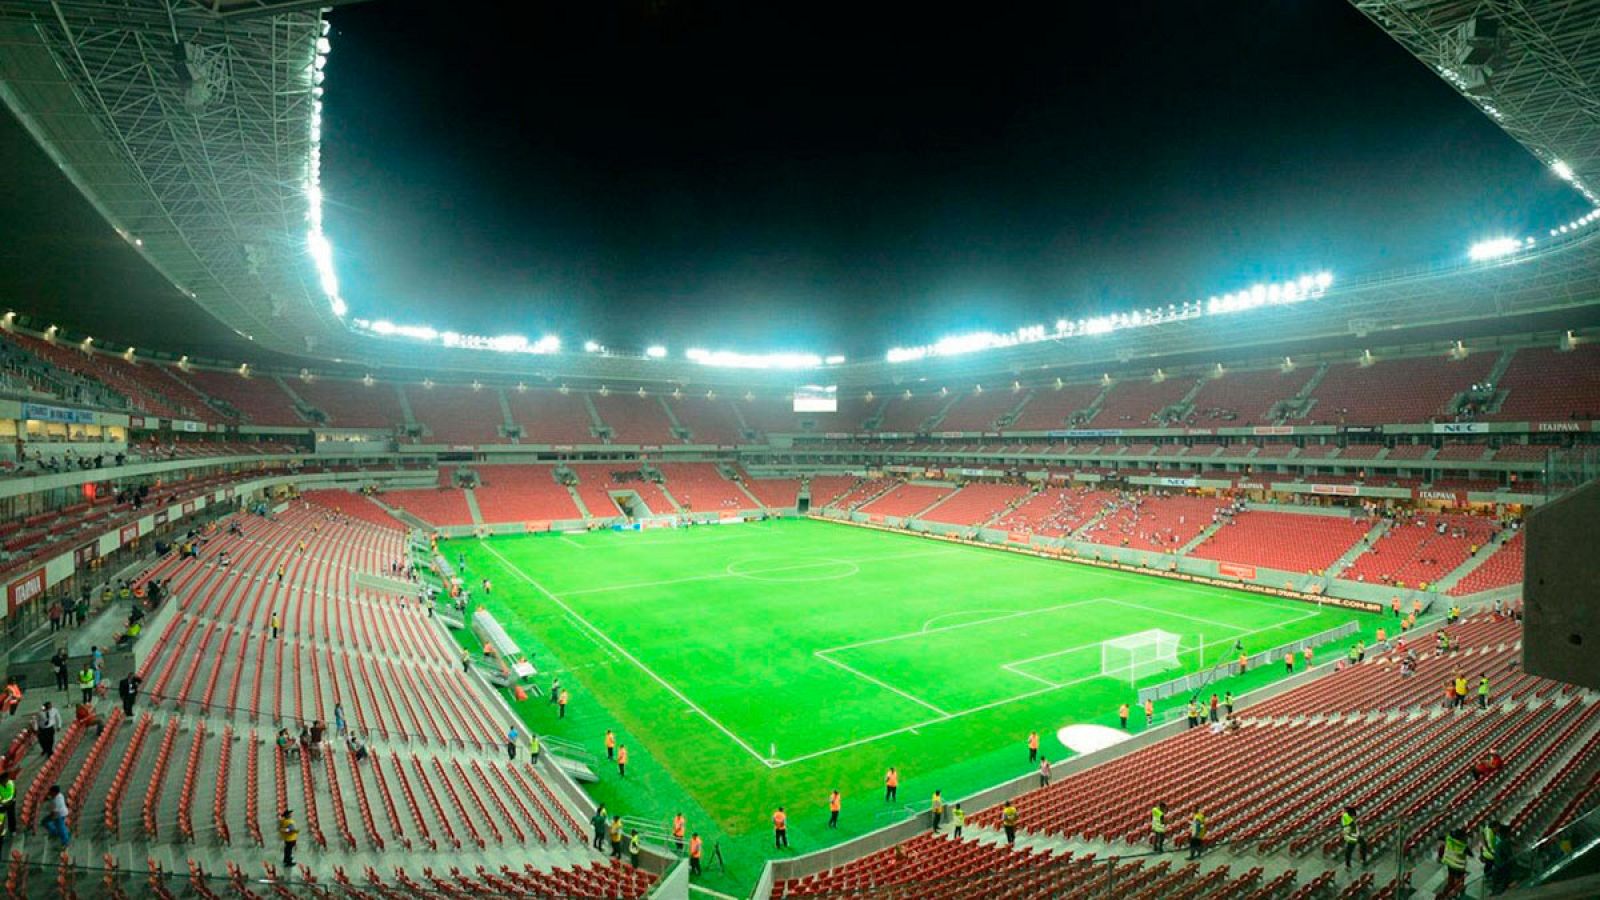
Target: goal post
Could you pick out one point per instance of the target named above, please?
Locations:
(1134, 657)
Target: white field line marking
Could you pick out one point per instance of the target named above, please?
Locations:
(590, 637)
(755, 572)
(1049, 687)
(567, 540)
(822, 655)
(630, 657)
(960, 612)
(927, 631)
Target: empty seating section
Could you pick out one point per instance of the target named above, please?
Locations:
(906, 500)
(551, 417)
(1245, 398)
(1523, 453)
(1138, 401)
(522, 493)
(1503, 567)
(700, 487)
(456, 414)
(356, 506)
(1049, 408)
(976, 504)
(437, 506)
(260, 399)
(1408, 451)
(1361, 451)
(146, 385)
(1356, 394)
(905, 414)
(710, 420)
(1413, 552)
(354, 404)
(1056, 511)
(218, 685)
(775, 493)
(1463, 452)
(1278, 540)
(634, 419)
(980, 412)
(597, 481)
(1546, 384)
(826, 490)
(1152, 522)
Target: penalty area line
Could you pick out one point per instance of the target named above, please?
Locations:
(633, 659)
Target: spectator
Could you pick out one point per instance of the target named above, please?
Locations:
(45, 724)
(54, 818)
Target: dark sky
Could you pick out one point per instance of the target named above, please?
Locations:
(755, 176)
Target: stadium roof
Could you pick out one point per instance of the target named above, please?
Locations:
(1533, 68)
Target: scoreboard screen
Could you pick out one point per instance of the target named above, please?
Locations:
(815, 398)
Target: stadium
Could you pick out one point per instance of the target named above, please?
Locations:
(1216, 596)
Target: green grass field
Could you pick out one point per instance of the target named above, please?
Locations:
(753, 665)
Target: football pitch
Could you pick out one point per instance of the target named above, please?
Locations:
(753, 665)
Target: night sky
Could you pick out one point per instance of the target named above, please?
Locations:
(821, 178)
(834, 179)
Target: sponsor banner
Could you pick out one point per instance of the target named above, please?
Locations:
(649, 446)
(1460, 427)
(1338, 490)
(1061, 476)
(836, 435)
(466, 447)
(560, 446)
(188, 507)
(1089, 433)
(1459, 498)
(160, 518)
(535, 526)
(1272, 429)
(891, 434)
(41, 413)
(227, 493)
(1019, 537)
(1562, 426)
(136, 421)
(875, 519)
(730, 518)
(186, 425)
(1199, 431)
(128, 534)
(1361, 429)
(1176, 482)
(725, 447)
(86, 554)
(934, 474)
(1251, 485)
(25, 590)
(947, 434)
(1236, 570)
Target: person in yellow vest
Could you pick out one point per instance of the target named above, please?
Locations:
(1158, 827)
(677, 831)
(1394, 604)
(1149, 712)
(614, 834)
(1383, 636)
(834, 804)
(1033, 746)
(290, 835)
(891, 784)
(958, 818)
(1483, 690)
(1461, 690)
(633, 848)
(561, 704)
(8, 807)
(1288, 662)
(1197, 835)
(695, 849)
(1194, 714)
(1244, 663)
(1453, 854)
(86, 682)
(611, 745)
(1122, 714)
(272, 622)
(622, 761)
(936, 810)
(1489, 843)
(1354, 840)
(1008, 821)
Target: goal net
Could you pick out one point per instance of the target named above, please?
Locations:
(1137, 656)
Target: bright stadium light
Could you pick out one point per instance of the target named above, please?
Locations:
(1562, 170)
(834, 360)
(732, 360)
(656, 352)
(1494, 248)
(592, 347)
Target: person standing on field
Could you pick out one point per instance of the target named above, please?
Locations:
(780, 829)
(611, 745)
(1033, 746)
(891, 785)
(1122, 716)
(833, 809)
(1149, 712)
(622, 761)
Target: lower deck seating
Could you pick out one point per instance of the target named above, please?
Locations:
(437, 506)
(353, 505)
(906, 500)
(1290, 541)
(1501, 568)
(976, 504)
(700, 488)
(522, 493)
(1421, 550)
(1056, 511)
(1153, 522)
